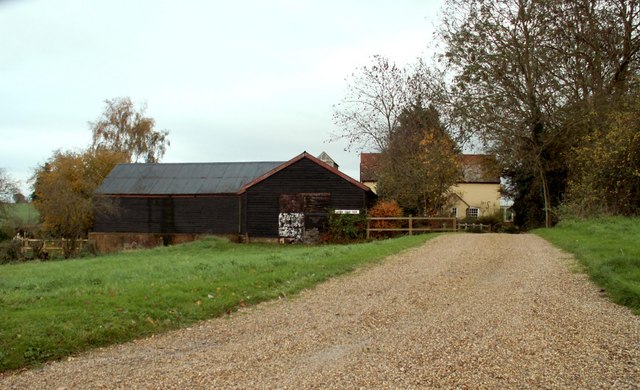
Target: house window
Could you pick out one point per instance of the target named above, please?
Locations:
(473, 212)
(454, 211)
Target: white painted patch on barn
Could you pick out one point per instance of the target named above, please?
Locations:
(291, 225)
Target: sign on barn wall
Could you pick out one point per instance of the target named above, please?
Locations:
(347, 212)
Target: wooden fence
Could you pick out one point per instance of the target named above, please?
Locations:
(411, 224)
(49, 248)
(421, 225)
(474, 227)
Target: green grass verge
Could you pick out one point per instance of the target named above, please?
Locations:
(609, 249)
(54, 309)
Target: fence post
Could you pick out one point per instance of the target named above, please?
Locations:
(410, 225)
(368, 222)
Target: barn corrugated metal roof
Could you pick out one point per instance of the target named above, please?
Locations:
(183, 178)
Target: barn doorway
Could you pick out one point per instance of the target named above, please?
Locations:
(303, 217)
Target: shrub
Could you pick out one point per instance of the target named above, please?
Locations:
(89, 249)
(37, 248)
(491, 219)
(494, 220)
(10, 251)
(604, 169)
(346, 227)
(385, 208)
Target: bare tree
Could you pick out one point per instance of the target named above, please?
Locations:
(124, 129)
(376, 95)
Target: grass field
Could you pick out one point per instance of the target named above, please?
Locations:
(24, 212)
(54, 309)
(609, 249)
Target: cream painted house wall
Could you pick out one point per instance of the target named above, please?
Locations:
(371, 184)
(483, 196)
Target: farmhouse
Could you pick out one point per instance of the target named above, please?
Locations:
(477, 192)
(150, 204)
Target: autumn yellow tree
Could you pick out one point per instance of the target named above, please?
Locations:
(63, 191)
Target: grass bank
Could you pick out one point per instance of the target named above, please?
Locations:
(609, 249)
(54, 309)
(25, 213)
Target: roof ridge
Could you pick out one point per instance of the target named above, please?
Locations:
(204, 163)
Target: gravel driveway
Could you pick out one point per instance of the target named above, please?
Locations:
(462, 311)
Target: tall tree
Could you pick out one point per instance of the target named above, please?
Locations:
(420, 164)
(376, 95)
(500, 89)
(125, 129)
(525, 72)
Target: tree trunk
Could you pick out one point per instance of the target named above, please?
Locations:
(545, 195)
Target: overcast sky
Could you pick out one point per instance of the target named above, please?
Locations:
(230, 80)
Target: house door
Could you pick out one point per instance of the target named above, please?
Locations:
(303, 217)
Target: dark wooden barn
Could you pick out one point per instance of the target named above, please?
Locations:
(149, 204)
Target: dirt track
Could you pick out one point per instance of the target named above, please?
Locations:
(466, 311)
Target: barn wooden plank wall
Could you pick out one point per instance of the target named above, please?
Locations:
(215, 215)
(305, 176)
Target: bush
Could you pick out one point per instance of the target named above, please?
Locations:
(385, 208)
(346, 227)
(89, 249)
(10, 251)
(37, 249)
(492, 219)
(510, 228)
(605, 166)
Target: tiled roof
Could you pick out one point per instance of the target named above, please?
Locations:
(369, 166)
